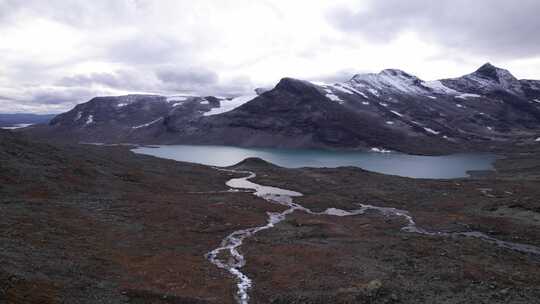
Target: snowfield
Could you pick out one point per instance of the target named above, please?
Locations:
(374, 92)
(397, 113)
(438, 87)
(467, 96)
(176, 98)
(229, 105)
(380, 150)
(147, 124)
(431, 131)
(334, 97)
(342, 89)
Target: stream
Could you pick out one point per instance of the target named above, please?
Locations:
(235, 260)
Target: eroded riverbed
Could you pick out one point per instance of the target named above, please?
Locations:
(228, 255)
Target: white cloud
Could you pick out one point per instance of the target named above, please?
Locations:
(57, 53)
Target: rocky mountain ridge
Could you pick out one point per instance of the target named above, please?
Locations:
(389, 110)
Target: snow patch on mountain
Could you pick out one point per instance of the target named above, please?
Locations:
(89, 119)
(380, 150)
(334, 97)
(342, 89)
(228, 105)
(431, 131)
(374, 92)
(176, 98)
(438, 87)
(79, 115)
(147, 124)
(390, 79)
(397, 113)
(467, 96)
(350, 88)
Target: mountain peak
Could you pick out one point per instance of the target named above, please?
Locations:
(294, 85)
(487, 66)
(396, 72)
(492, 72)
(384, 73)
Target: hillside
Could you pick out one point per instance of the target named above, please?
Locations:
(87, 224)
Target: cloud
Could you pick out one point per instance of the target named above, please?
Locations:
(339, 76)
(42, 100)
(147, 48)
(125, 79)
(107, 79)
(202, 81)
(186, 79)
(499, 28)
(57, 53)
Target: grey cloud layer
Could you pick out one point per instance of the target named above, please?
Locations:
(147, 57)
(199, 47)
(500, 28)
(188, 78)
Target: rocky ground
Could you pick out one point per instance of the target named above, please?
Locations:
(368, 259)
(84, 224)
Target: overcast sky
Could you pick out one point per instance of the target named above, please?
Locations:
(56, 53)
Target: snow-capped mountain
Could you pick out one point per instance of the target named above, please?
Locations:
(136, 117)
(387, 110)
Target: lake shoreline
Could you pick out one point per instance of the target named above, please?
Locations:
(394, 163)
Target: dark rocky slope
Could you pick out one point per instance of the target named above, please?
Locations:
(86, 224)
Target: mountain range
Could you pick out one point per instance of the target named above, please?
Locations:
(15, 120)
(390, 110)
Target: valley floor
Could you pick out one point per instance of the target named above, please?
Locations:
(83, 224)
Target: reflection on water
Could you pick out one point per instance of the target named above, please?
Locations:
(448, 166)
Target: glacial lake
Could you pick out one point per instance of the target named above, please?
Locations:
(394, 163)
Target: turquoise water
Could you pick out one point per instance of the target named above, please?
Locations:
(448, 166)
